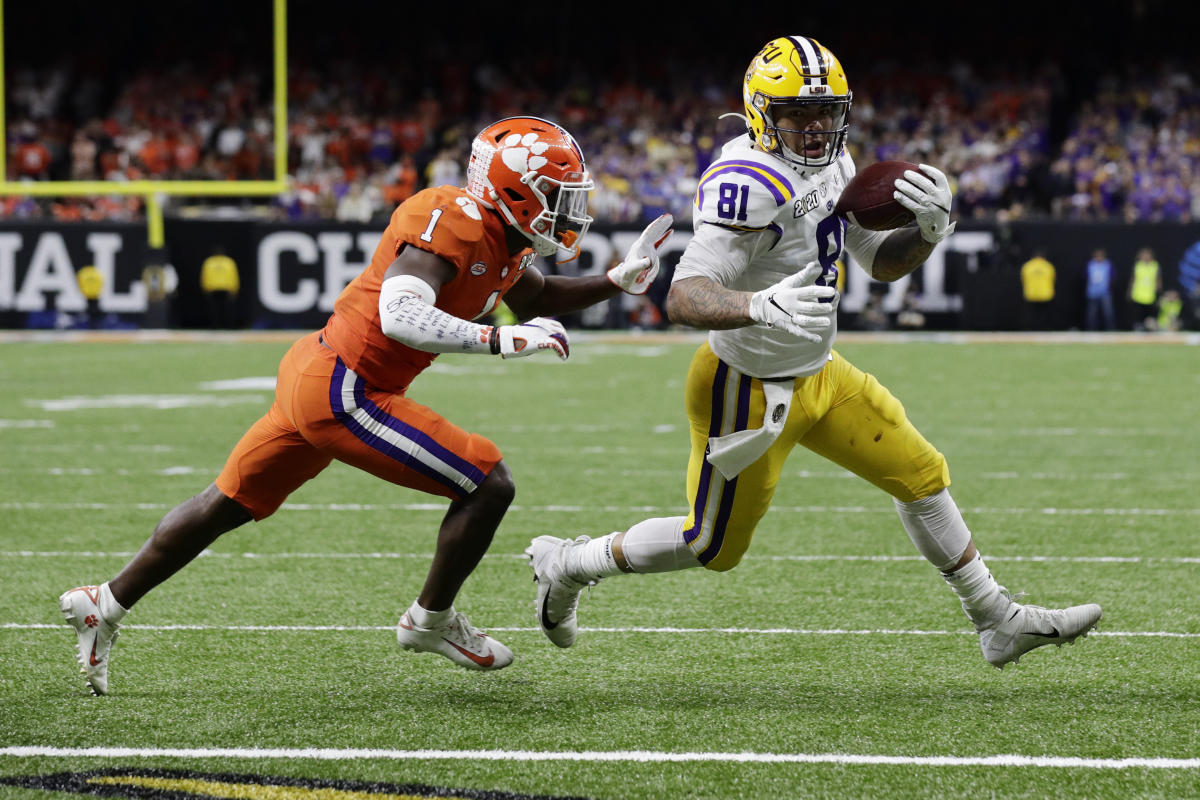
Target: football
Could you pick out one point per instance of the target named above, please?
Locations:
(867, 200)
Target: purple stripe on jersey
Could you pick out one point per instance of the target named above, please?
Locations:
(777, 175)
(744, 168)
(778, 233)
(385, 447)
(730, 489)
(714, 429)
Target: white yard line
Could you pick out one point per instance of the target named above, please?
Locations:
(641, 756)
(41, 626)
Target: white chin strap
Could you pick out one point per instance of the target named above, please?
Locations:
(540, 245)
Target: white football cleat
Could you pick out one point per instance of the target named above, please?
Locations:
(558, 593)
(96, 635)
(457, 640)
(1028, 627)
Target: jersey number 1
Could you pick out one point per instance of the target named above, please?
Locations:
(427, 236)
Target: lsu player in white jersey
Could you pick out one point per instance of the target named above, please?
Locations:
(760, 275)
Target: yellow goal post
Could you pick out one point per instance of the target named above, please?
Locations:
(152, 190)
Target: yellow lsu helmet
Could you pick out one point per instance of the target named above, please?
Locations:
(796, 77)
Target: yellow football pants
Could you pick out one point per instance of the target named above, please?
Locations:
(840, 413)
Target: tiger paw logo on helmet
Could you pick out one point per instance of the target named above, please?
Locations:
(516, 150)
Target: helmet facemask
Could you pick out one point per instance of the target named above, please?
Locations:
(817, 147)
(564, 219)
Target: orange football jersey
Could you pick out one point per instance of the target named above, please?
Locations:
(447, 222)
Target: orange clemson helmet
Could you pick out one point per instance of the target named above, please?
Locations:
(532, 171)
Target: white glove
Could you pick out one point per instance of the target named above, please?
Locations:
(929, 200)
(794, 304)
(540, 333)
(640, 267)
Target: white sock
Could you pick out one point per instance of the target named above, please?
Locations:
(424, 618)
(594, 560)
(657, 545)
(936, 527)
(981, 598)
(110, 609)
(652, 545)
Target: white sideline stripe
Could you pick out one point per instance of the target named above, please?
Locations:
(643, 756)
(160, 402)
(441, 507)
(39, 626)
(1156, 560)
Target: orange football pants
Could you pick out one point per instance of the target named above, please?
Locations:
(324, 411)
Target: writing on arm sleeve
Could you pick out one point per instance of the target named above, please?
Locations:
(407, 315)
(449, 226)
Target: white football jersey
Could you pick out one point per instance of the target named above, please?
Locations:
(758, 219)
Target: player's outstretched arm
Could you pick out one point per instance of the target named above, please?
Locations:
(537, 294)
(408, 315)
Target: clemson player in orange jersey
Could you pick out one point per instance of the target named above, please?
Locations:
(448, 256)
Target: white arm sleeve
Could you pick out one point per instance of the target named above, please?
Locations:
(407, 314)
(863, 245)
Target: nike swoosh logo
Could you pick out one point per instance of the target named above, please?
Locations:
(546, 623)
(1053, 634)
(93, 593)
(92, 658)
(480, 660)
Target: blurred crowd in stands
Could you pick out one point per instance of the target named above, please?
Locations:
(361, 140)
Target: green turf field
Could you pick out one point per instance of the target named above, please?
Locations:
(833, 662)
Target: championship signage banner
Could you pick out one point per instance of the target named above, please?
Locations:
(301, 269)
(39, 263)
(292, 272)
